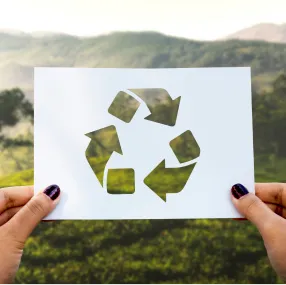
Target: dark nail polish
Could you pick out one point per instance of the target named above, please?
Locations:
(238, 190)
(53, 191)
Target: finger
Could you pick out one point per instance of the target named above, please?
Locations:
(15, 196)
(8, 214)
(254, 210)
(277, 209)
(274, 193)
(24, 222)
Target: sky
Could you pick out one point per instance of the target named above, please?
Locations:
(195, 19)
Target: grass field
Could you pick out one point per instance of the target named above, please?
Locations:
(148, 251)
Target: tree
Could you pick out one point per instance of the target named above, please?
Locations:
(270, 119)
(14, 107)
(278, 115)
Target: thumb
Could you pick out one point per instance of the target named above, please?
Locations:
(253, 209)
(24, 222)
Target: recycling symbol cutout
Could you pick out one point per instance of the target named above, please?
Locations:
(104, 142)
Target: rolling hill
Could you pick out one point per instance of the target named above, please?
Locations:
(19, 53)
(149, 251)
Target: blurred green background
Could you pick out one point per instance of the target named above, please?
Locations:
(149, 251)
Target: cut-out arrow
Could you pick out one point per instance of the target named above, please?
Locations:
(103, 143)
(163, 108)
(164, 180)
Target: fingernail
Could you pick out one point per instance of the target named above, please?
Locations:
(238, 190)
(53, 191)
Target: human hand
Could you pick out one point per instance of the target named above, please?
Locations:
(20, 213)
(267, 211)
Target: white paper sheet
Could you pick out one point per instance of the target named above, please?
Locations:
(215, 105)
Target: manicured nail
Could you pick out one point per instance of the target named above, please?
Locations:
(53, 191)
(238, 190)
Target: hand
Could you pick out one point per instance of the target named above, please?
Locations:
(267, 211)
(20, 212)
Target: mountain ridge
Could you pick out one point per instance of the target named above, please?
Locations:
(262, 32)
(270, 32)
(20, 54)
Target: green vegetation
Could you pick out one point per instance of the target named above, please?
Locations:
(185, 147)
(15, 158)
(13, 107)
(16, 154)
(161, 251)
(148, 251)
(103, 143)
(19, 54)
(163, 180)
(121, 181)
(25, 177)
(123, 107)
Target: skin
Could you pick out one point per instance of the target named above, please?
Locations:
(267, 211)
(21, 212)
